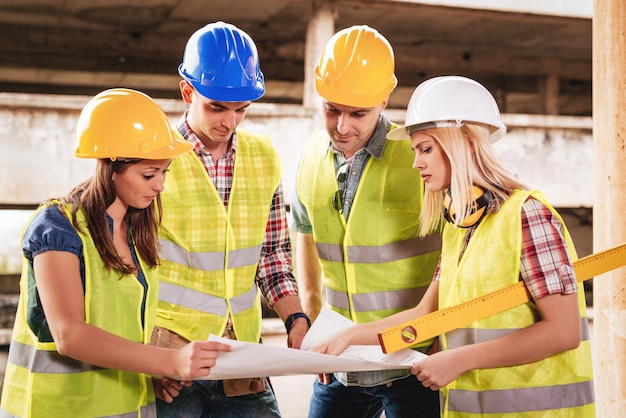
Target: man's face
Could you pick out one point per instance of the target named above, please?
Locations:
(350, 127)
(212, 121)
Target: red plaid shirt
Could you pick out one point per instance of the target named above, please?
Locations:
(274, 275)
(546, 267)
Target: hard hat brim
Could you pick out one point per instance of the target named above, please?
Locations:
(232, 95)
(174, 149)
(403, 133)
(178, 147)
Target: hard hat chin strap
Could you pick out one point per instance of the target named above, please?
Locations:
(476, 210)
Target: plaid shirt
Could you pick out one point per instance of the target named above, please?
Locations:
(274, 274)
(546, 267)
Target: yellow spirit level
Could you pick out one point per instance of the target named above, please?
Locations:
(453, 317)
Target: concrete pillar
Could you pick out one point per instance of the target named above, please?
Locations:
(609, 224)
(320, 28)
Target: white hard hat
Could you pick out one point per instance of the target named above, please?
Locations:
(449, 101)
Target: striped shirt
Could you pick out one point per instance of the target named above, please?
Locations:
(274, 275)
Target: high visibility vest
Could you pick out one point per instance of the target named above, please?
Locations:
(209, 255)
(558, 386)
(39, 382)
(374, 264)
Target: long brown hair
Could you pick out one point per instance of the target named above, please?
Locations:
(94, 196)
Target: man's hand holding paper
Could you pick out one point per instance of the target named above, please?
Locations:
(249, 360)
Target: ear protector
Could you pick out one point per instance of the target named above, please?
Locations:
(477, 209)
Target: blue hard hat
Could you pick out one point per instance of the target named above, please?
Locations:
(222, 63)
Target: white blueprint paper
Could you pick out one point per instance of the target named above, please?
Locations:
(252, 360)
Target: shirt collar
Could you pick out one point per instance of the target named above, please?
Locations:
(110, 222)
(111, 225)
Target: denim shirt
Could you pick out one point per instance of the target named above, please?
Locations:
(300, 221)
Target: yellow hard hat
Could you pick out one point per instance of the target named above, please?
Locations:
(125, 123)
(356, 68)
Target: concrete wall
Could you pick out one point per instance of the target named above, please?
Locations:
(553, 154)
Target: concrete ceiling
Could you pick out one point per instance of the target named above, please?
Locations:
(81, 46)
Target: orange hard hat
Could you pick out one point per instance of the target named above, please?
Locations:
(125, 123)
(356, 68)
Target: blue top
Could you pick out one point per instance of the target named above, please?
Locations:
(50, 230)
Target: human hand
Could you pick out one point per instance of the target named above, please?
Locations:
(196, 358)
(439, 369)
(333, 345)
(167, 389)
(435, 348)
(297, 333)
(324, 378)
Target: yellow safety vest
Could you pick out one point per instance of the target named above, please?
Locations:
(210, 255)
(39, 382)
(374, 265)
(558, 386)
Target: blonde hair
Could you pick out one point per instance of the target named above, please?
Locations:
(473, 162)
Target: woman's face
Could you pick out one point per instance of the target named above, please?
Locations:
(431, 161)
(140, 183)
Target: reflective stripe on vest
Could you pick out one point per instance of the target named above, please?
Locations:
(465, 336)
(209, 261)
(44, 361)
(385, 253)
(364, 302)
(189, 298)
(522, 400)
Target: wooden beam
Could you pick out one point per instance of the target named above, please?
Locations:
(609, 227)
